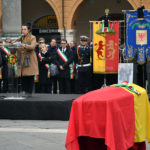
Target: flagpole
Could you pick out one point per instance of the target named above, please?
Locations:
(110, 21)
(90, 43)
(134, 10)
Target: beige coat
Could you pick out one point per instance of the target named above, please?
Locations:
(32, 69)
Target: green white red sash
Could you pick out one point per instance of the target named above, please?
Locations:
(62, 55)
(0, 73)
(6, 50)
(40, 57)
(72, 65)
(36, 78)
(65, 59)
(46, 65)
(8, 53)
(128, 87)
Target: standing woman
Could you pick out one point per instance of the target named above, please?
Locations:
(27, 60)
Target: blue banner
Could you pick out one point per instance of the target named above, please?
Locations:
(137, 36)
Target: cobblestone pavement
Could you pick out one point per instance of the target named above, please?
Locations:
(33, 135)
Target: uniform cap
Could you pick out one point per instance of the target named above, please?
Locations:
(83, 37)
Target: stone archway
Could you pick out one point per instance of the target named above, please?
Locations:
(72, 13)
(43, 17)
(57, 9)
(136, 3)
(92, 10)
(71, 10)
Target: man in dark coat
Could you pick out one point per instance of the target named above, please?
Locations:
(64, 58)
(52, 50)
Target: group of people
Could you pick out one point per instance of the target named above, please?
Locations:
(65, 68)
(49, 68)
(46, 68)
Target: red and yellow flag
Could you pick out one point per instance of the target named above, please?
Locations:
(105, 47)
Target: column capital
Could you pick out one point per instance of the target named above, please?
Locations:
(70, 35)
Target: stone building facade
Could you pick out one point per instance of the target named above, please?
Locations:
(71, 17)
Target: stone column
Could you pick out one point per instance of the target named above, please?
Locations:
(70, 35)
(0, 17)
(11, 18)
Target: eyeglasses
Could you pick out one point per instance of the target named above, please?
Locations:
(63, 43)
(41, 42)
(83, 40)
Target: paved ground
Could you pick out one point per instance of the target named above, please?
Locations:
(33, 135)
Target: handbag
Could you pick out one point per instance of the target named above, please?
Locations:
(26, 60)
(53, 70)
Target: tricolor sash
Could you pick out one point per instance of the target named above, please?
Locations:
(72, 66)
(47, 66)
(0, 73)
(11, 59)
(62, 55)
(65, 59)
(40, 57)
(6, 50)
(36, 78)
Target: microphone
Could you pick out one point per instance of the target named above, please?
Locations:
(19, 39)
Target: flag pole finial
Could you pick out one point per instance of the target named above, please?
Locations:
(141, 3)
(106, 11)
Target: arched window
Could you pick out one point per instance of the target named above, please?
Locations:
(47, 27)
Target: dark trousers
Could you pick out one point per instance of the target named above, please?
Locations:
(44, 88)
(53, 84)
(64, 86)
(73, 86)
(27, 84)
(84, 82)
(141, 75)
(37, 87)
(5, 85)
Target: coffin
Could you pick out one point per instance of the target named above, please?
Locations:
(113, 117)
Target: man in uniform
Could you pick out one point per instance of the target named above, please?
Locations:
(83, 65)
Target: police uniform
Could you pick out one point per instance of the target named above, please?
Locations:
(83, 67)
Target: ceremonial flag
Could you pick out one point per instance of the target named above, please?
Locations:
(105, 47)
(137, 36)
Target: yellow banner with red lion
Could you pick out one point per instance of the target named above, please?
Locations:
(105, 47)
